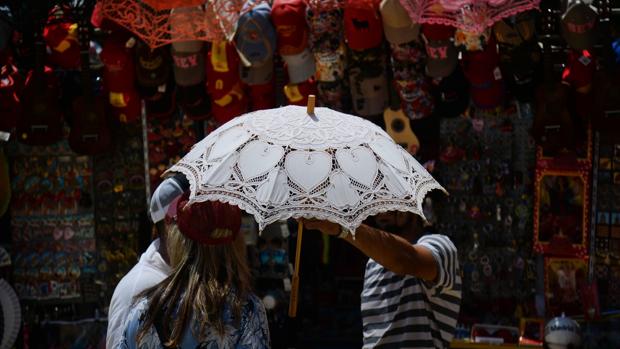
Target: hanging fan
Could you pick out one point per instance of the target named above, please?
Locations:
(5, 258)
(11, 315)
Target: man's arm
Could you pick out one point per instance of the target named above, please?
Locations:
(391, 251)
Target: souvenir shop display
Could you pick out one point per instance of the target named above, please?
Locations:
(337, 110)
(488, 214)
(53, 228)
(120, 187)
(607, 224)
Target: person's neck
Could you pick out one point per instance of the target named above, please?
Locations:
(163, 246)
(413, 230)
(163, 250)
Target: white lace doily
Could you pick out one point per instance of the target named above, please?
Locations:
(281, 163)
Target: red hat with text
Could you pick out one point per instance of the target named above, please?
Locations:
(362, 24)
(578, 25)
(442, 55)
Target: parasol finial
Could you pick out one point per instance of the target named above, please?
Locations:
(311, 102)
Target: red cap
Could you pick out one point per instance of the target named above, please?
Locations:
(437, 32)
(579, 70)
(207, 223)
(297, 94)
(126, 105)
(289, 19)
(230, 106)
(119, 67)
(262, 96)
(362, 24)
(481, 67)
(222, 69)
(61, 37)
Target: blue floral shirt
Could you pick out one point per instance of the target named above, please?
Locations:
(252, 333)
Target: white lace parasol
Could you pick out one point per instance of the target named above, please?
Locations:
(281, 163)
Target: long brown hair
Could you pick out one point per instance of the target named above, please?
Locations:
(203, 280)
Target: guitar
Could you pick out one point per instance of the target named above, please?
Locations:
(41, 122)
(89, 130)
(553, 127)
(397, 124)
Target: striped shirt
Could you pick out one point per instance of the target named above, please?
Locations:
(406, 312)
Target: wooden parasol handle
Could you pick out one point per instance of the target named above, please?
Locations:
(292, 307)
(311, 104)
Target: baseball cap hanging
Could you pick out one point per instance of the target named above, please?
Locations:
(188, 62)
(367, 78)
(452, 95)
(515, 30)
(152, 66)
(578, 25)
(442, 55)
(411, 83)
(119, 77)
(224, 83)
(262, 96)
(297, 94)
(61, 36)
(482, 70)
(362, 24)
(397, 25)
(289, 19)
(579, 70)
(330, 65)
(520, 64)
(325, 22)
(255, 38)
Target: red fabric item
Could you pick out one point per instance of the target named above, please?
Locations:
(224, 83)
(126, 106)
(209, 222)
(488, 96)
(289, 19)
(237, 106)
(119, 78)
(62, 39)
(363, 28)
(262, 96)
(437, 32)
(579, 70)
(481, 67)
(297, 94)
(119, 73)
(222, 69)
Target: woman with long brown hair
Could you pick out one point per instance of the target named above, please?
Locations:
(206, 302)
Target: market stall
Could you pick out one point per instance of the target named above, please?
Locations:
(510, 105)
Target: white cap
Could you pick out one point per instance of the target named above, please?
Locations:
(300, 66)
(170, 189)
